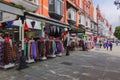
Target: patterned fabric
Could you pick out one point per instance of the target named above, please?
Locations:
(7, 53)
(48, 46)
(41, 48)
(1, 52)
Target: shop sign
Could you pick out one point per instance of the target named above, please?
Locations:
(5, 17)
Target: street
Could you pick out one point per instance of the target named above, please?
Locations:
(97, 64)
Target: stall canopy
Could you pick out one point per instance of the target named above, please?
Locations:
(79, 29)
(7, 7)
(9, 12)
(39, 17)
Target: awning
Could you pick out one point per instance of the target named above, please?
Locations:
(79, 29)
(7, 7)
(39, 17)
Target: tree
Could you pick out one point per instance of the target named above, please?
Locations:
(117, 32)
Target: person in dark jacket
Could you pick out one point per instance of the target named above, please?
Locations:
(111, 45)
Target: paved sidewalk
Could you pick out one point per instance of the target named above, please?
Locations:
(115, 51)
(80, 65)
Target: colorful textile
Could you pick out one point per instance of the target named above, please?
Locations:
(33, 50)
(25, 49)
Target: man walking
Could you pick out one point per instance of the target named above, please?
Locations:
(67, 43)
(111, 45)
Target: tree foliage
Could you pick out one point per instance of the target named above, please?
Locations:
(117, 32)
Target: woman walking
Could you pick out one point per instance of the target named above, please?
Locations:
(107, 44)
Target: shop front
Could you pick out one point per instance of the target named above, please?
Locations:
(89, 40)
(8, 33)
(44, 35)
(77, 37)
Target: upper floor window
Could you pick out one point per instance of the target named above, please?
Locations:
(72, 14)
(86, 7)
(55, 6)
(58, 6)
(51, 6)
(80, 18)
(80, 4)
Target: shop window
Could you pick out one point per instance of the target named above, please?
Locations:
(72, 14)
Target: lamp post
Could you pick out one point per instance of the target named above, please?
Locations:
(117, 3)
(22, 62)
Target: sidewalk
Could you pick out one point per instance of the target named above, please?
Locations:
(114, 52)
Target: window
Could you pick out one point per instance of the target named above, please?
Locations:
(51, 6)
(86, 23)
(72, 14)
(80, 4)
(86, 7)
(55, 6)
(79, 18)
(58, 7)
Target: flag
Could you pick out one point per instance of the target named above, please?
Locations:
(9, 24)
(25, 26)
(33, 24)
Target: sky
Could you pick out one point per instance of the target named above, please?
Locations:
(110, 11)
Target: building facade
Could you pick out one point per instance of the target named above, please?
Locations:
(80, 15)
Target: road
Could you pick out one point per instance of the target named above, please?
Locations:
(97, 64)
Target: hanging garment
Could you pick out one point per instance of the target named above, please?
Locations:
(47, 45)
(28, 55)
(16, 50)
(53, 46)
(59, 47)
(42, 48)
(1, 53)
(7, 53)
(25, 49)
(39, 49)
(33, 49)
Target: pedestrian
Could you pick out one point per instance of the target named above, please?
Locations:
(111, 45)
(116, 43)
(104, 45)
(100, 44)
(67, 43)
(107, 44)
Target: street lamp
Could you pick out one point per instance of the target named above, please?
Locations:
(117, 3)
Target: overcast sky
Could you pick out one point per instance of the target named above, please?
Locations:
(109, 10)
